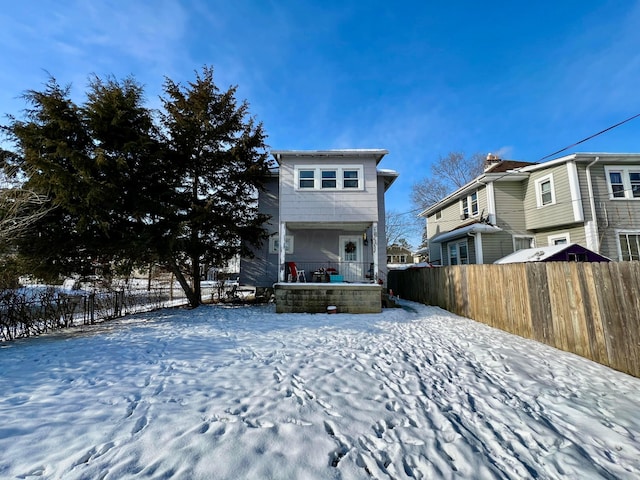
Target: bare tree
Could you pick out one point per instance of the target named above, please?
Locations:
(400, 226)
(447, 174)
(19, 208)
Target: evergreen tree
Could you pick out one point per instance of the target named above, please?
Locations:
(51, 151)
(121, 191)
(218, 157)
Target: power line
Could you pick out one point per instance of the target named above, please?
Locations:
(516, 170)
(590, 137)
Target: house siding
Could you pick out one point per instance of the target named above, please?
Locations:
(517, 212)
(496, 245)
(260, 270)
(561, 212)
(612, 215)
(509, 197)
(328, 205)
(382, 229)
(576, 235)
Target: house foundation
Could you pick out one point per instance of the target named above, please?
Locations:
(316, 297)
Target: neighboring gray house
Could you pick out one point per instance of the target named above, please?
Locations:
(592, 199)
(327, 216)
(399, 256)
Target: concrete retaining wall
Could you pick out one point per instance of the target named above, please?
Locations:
(315, 297)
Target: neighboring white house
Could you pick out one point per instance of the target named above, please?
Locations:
(327, 216)
(592, 199)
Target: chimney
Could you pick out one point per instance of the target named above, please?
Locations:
(490, 161)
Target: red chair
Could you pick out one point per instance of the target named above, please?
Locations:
(295, 275)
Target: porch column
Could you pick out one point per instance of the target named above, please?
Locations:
(477, 238)
(374, 247)
(282, 250)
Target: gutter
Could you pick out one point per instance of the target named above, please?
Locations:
(596, 243)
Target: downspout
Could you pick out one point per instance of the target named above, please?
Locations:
(592, 204)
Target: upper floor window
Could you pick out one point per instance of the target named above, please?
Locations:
(623, 182)
(311, 177)
(328, 179)
(545, 194)
(306, 179)
(470, 205)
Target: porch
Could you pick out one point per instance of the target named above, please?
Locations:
(329, 272)
(316, 297)
(325, 253)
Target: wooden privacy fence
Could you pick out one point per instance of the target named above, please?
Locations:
(590, 309)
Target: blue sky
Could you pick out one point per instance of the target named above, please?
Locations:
(419, 78)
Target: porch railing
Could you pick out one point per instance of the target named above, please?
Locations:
(321, 272)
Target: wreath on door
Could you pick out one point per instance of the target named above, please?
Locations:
(350, 247)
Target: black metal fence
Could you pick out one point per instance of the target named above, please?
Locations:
(33, 311)
(352, 272)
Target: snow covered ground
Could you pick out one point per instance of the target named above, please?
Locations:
(241, 392)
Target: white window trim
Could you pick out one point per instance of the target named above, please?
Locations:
(552, 238)
(623, 232)
(467, 200)
(626, 180)
(457, 246)
(339, 169)
(288, 242)
(538, 184)
(531, 238)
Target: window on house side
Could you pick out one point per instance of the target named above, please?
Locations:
(474, 203)
(453, 254)
(306, 179)
(470, 205)
(520, 243)
(465, 207)
(634, 178)
(350, 179)
(617, 185)
(458, 253)
(464, 253)
(623, 182)
(545, 192)
(438, 214)
(328, 179)
(629, 246)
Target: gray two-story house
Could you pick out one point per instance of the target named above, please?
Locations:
(327, 219)
(592, 199)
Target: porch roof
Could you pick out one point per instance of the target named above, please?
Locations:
(464, 231)
(346, 226)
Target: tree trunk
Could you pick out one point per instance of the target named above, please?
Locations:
(194, 300)
(195, 273)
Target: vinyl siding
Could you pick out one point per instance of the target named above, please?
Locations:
(576, 235)
(262, 270)
(328, 205)
(612, 215)
(496, 246)
(509, 197)
(559, 213)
